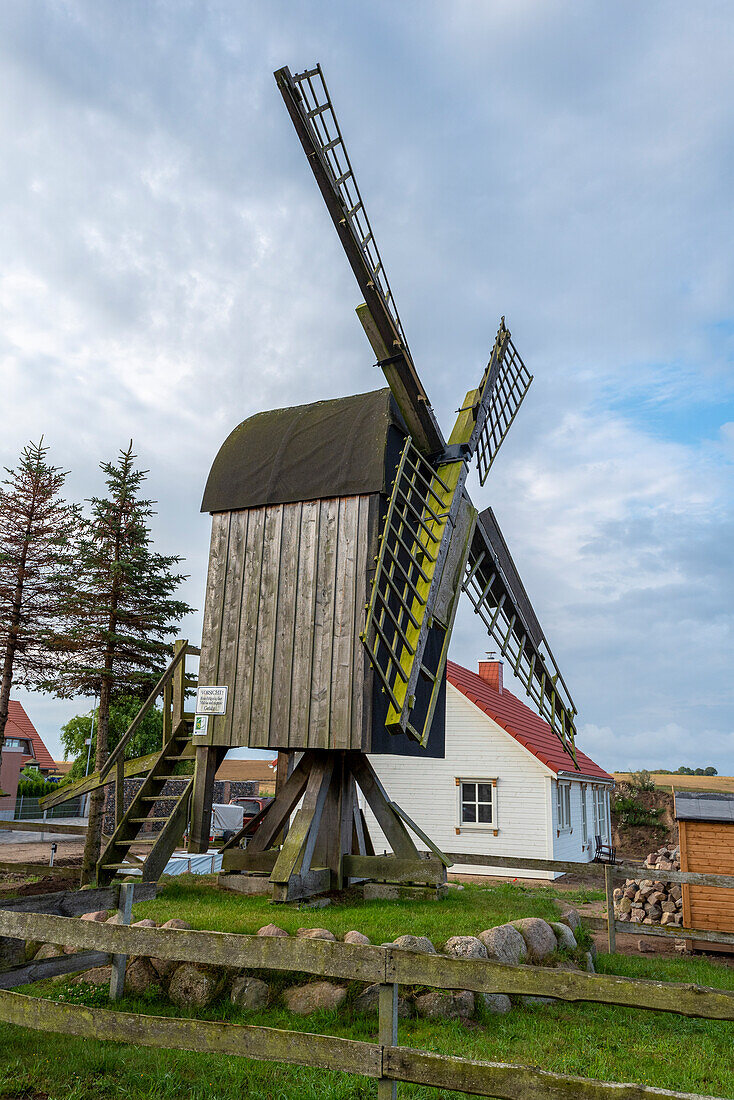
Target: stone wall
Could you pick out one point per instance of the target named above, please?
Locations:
(224, 790)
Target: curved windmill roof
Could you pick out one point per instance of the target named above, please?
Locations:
(345, 447)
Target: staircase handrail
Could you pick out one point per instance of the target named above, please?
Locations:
(122, 744)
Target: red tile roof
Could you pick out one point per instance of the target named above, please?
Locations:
(20, 725)
(527, 727)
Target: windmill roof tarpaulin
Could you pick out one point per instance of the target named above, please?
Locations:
(345, 447)
(523, 724)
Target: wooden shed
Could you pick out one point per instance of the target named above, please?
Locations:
(706, 827)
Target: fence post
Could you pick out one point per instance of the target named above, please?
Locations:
(119, 962)
(387, 1027)
(609, 889)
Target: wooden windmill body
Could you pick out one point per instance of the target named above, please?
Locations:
(342, 538)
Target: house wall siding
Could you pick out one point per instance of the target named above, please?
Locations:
(476, 748)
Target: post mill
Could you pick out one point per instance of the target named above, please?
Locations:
(342, 538)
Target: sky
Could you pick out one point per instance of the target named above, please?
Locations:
(168, 269)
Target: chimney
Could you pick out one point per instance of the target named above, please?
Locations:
(491, 671)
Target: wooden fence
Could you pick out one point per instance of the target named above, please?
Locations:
(389, 967)
(609, 872)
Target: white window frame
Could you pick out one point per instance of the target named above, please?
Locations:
(564, 817)
(601, 817)
(584, 815)
(481, 826)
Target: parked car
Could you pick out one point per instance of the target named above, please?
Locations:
(251, 806)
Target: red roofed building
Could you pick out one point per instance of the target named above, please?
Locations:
(23, 746)
(505, 785)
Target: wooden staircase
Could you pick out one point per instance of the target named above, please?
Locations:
(167, 813)
(130, 828)
(151, 806)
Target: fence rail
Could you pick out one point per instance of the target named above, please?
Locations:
(610, 871)
(389, 967)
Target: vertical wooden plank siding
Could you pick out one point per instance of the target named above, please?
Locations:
(360, 665)
(709, 848)
(300, 709)
(342, 658)
(323, 633)
(213, 609)
(249, 610)
(272, 570)
(285, 618)
(285, 605)
(230, 630)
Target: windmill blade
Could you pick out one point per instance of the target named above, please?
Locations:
(307, 100)
(499, 598)
(508, 381)
(423, 551)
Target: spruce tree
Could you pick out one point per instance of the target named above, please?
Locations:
(37, 531)
(122, 613)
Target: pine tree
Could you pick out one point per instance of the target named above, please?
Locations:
(122, 613)
(37, 530)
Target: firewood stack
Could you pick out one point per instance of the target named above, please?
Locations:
(652, 900)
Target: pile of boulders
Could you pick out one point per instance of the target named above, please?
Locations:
(652, 900)
(196, 986)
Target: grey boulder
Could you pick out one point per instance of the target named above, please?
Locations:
(445, 1006)
(540, 939)
(504, 944)
(564, 935)
(465, 947)
(249, 993)
(304, 999)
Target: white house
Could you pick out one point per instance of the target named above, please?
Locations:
(505, 785)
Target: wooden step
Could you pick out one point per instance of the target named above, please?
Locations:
(148, 820)
(160, 798)
(147, 840)
(121, 866)
(186, 756)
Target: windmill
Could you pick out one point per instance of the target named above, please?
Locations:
(342, 539)
(335, 657)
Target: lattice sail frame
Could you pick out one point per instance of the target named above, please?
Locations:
(499, 598)
(399, 610)
(509, 382)
(328, 140)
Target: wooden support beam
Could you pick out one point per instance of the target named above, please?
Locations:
(279, 811)
(43, 827)
(397, 835)
(394, 869)
(208, 759)
(301, 839)
(41, 869)
(242, 859)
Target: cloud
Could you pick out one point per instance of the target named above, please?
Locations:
(168, 269)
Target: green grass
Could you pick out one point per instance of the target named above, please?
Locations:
(465, 912)
(590, 1040)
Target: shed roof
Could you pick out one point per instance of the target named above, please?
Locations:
(522, 723)
(20, 725)
(345, 447)
(704, 806)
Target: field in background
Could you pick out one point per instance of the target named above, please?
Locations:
(666, 780)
